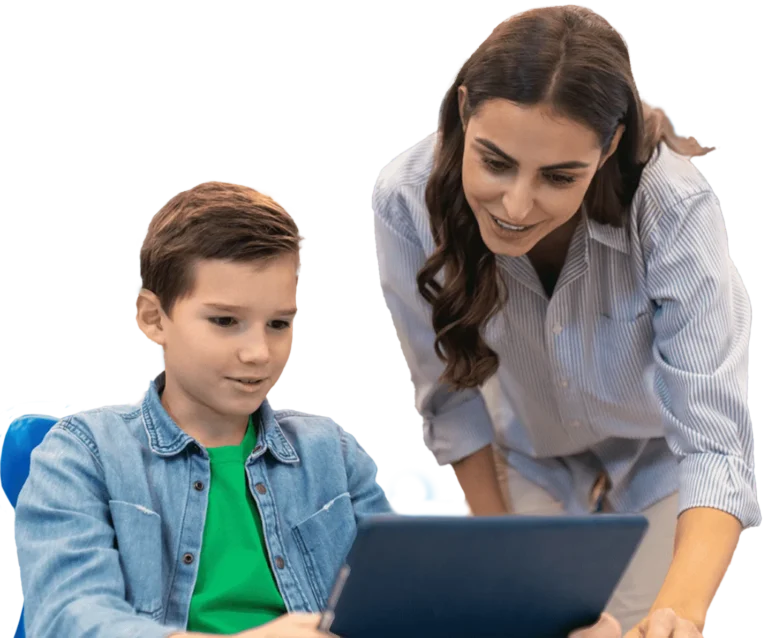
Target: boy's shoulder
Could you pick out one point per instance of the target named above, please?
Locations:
(96, 419)
(295, 423)
(106, 425)
(313, 433)
(318, 439)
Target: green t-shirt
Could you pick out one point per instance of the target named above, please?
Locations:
(235, 588)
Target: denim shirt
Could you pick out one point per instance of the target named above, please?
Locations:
(109, 525)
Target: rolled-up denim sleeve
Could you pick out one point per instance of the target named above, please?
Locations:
(70, 568)
(701, 327)
(456, 423)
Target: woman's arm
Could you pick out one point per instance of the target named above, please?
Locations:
(701, 328)
(478, 478)
(456, 423)
(704, 543)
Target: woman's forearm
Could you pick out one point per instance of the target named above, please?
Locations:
(704, 544)
(478, 478)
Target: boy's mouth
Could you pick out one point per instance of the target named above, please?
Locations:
(247, 383)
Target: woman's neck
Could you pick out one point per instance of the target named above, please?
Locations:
(553, 248)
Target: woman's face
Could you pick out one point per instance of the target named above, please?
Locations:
(525, 172)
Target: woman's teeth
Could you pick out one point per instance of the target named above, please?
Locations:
(507, 226)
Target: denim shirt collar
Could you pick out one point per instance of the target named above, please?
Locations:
(168, 439)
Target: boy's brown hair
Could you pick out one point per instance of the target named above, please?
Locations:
(211, 221)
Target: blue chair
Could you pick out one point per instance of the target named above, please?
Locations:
(23, 436)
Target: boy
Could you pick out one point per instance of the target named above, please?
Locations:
(200, 511)
(140, 520)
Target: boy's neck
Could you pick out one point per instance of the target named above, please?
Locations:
(207, 427)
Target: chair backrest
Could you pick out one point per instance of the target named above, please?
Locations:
(23, 436)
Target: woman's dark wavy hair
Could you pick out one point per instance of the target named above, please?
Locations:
(573, 61)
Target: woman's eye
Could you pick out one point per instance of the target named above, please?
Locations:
(494, 165)
(223, 322)
(280, 324)
(498, 166)
(561, 180)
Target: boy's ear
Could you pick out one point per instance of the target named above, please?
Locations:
(150, 315)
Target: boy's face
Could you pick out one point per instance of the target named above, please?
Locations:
(227, 342)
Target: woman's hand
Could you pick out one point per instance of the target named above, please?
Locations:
(664, 623)
(658, 126)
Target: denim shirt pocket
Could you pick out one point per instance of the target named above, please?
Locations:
(138, 533)
(324, 539)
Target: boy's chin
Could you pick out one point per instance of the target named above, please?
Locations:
(243, 408)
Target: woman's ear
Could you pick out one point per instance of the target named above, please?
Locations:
(462, 97)
(614, 145)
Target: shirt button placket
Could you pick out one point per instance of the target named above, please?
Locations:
(279, 560)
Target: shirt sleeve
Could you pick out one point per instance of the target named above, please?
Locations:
(367, 496)
(701, 325)
(456, 423)
(72, 581)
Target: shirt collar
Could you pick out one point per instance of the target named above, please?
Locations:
(611, 236)
(168, 439)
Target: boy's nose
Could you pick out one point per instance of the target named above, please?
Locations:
(255, 352)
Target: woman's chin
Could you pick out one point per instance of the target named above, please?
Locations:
(512, 247)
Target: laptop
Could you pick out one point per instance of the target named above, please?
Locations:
(476, 577)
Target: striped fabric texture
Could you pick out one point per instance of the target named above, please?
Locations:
(636, 367)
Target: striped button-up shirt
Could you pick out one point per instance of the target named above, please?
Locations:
(636, 367)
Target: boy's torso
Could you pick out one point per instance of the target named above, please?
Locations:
(156, 480)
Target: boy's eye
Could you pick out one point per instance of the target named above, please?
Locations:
(229, 322)
(223, 322)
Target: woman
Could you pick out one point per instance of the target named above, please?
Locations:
(559, 278)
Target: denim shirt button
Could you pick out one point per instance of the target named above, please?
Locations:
(188, 559)
(279, 562)
(261, 488)
(198, 485)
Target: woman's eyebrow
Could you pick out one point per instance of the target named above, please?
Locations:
(561, 165)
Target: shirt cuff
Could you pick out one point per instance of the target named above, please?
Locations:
(722, 482)
(459, 432)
